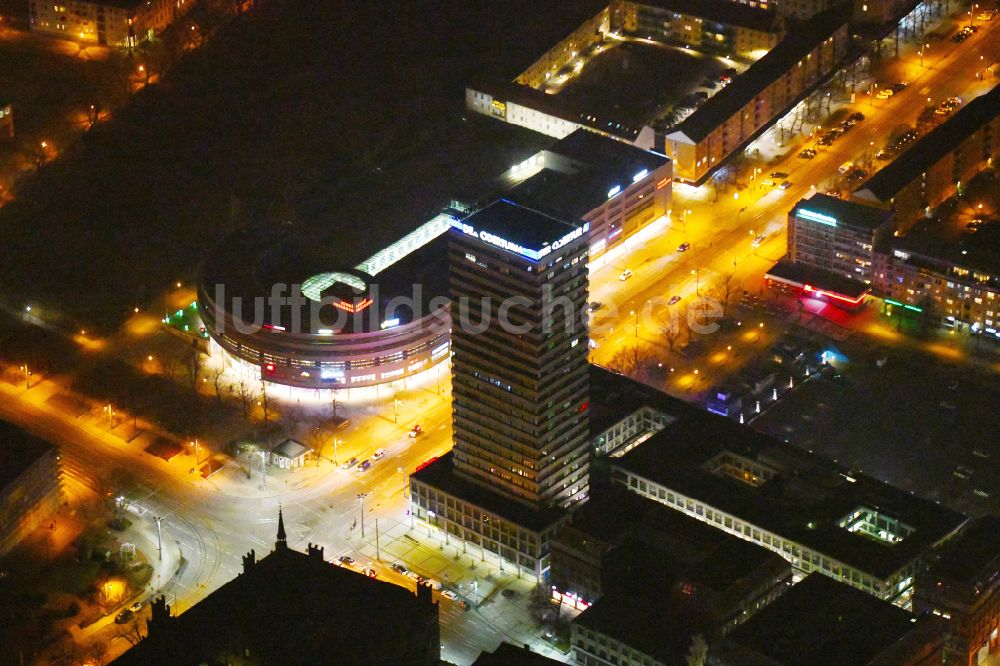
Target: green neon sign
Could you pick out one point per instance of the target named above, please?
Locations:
(904, 305)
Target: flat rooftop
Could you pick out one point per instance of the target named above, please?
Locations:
(580, 171)
(820, 621)
(806, 499)
(948, 241)
(820, 278)
(844, 213)
(412, 187)
(970, 560)
(613, 397)
(943, 139)
(518, 224)
(19, 450)
(718, 574)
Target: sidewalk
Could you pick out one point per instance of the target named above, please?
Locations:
(493, 591)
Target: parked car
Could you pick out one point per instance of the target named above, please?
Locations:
(807, 154)
(364, 465)
(449, 595)
(136, 607)
(674, 300)
(684, 247)
(625, 274)
(413, 575)
(346, 560)
(779, 175)
(857, 116)
(884, 93)
(398, 568)
(379, 454)
(348, 464)
(595, 306)
(785, 185)
(415, 431)
(123, 617)
(899, 87)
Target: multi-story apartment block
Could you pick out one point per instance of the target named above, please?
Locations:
(30, 484)
(713, 26)
(945, 275)
(113, 22)
(941, 162)
(767, 90)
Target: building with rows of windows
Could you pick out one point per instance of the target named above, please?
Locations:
(520, 385)
(112, 22)
(940, 164)
(273, 304)
(817, 515)
(30, 484)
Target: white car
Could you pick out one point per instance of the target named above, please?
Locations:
(625, 274)
(435, 584)
(379, 454)
(449, 595)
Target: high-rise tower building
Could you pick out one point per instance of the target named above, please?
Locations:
(518, 287)
(520, 388)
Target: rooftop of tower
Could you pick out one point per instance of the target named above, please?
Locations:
(520, 229)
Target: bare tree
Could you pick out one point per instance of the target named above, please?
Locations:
(630, 359)
(725, 289)
(265, 401)
(247, 394)
(195, 363)
(672, 329)
(217, 374)
(130, 632)
(96, 652)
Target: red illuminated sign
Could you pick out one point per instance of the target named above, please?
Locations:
(352, 307)
(831, 294)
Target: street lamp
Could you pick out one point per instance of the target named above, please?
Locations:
(263, 469)
(403, 475)
(335, 443)
(742, 210)
(362, 496)
(395, 410)
(27, 375)
(159, 537)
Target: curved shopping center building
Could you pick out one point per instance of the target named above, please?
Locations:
(275, 303)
